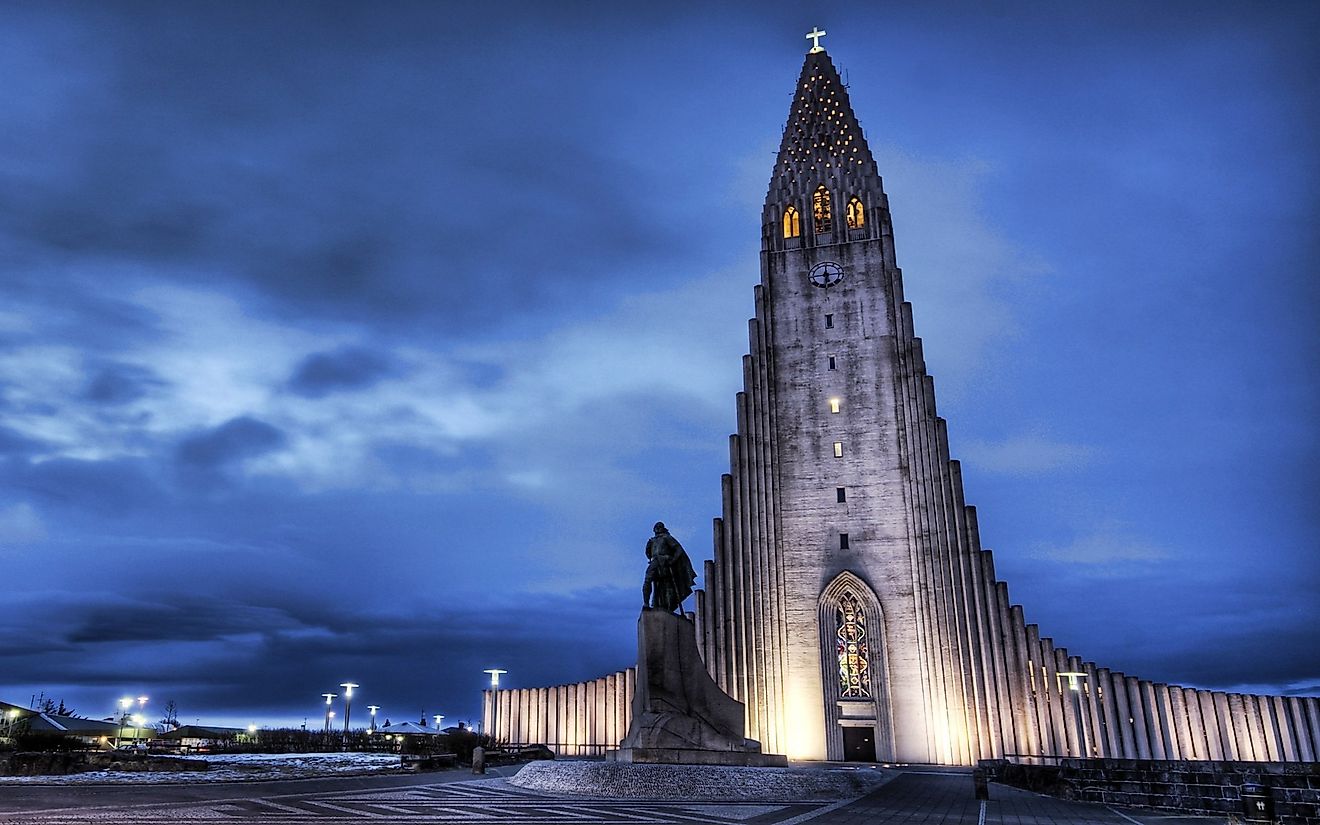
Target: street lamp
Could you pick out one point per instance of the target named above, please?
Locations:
(124, 705)
(138, 721)
(328, 713)
(348, 706)
(494, 702)
(1075, 688)
(373, 709)
(439, 717)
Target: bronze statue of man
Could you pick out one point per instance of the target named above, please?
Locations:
(668, 571)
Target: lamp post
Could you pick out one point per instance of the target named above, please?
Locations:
(142, 703)
(138, 721)
(124, 705)
(494, 702)
(373, 709)
(348, 706)
(1075, 688)
(439, 717)
(328, 713)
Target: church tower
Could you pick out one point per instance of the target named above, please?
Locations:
(849, 604)
(813, 612)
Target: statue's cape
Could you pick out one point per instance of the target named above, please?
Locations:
(681, 569)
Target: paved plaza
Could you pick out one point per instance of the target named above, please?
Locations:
(912, 797)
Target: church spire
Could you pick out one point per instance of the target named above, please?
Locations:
(822, 146)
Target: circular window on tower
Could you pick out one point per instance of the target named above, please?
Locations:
(825, 273)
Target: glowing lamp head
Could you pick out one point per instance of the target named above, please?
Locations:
(252, 728)
(348, 688)
(494, 675)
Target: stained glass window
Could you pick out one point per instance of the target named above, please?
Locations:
(820, 209)
(856, 214)
(792, 223)
(851, 644)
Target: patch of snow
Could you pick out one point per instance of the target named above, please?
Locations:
(618, 780)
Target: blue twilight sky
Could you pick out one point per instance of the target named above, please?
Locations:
(366, 341)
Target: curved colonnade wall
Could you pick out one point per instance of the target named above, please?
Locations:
(581, 719)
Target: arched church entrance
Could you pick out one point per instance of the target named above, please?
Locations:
(857, 717)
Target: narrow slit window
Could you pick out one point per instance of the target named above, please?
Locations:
(829, 321)
(856, 213)
(843, 541)
(840, 494)
(834, 405)
(838, 449)
(833, 364)
(792, 222)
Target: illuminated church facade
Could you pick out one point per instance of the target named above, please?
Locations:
(849, 603)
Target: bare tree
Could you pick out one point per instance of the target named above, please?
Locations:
(171, 718)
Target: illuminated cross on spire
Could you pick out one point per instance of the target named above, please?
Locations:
(814, 36)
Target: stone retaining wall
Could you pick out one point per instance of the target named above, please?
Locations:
(1191, 787)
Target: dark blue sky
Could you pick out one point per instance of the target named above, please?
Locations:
(366, 341)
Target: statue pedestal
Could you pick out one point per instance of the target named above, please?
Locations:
(679, 715)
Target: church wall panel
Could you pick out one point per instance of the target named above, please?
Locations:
(1272, 744)
(1096, 711)
(1050, 681)
(926, 575)
(1178, 706)
(1242, 738)
(756, 589)
(1224, 721)
(1154, 720)
(1140, 725)
(979, 655)
(1007, 707)
(1071, 732)
(1312, 706)
(1196, 724)
(1023, 667)
(1289, 748)
(1126, 735)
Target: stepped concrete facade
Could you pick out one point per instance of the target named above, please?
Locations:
(849, 604)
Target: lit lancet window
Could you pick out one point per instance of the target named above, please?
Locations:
(851, 643)
(835, 405)
(820, 209)
(856, 214)
(792, 222)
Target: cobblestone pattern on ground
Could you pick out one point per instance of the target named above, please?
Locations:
(913, 798)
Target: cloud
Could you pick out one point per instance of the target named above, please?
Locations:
(1104, 553)
(960, 264)
(117, 383)
(20, 525)
(322, 373)
(235, 440)
(414, 655)
(1025, 455)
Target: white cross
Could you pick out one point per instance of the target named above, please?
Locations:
(814, 36)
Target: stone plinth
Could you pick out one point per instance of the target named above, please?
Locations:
(680, 716)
